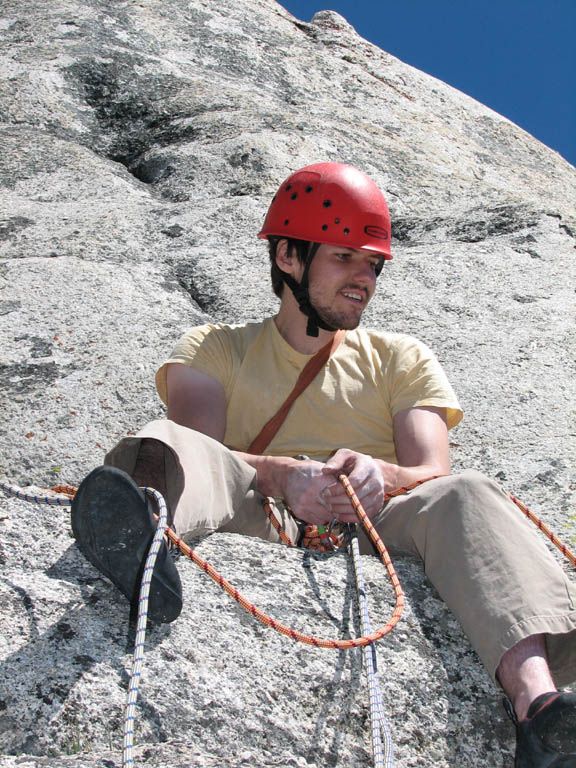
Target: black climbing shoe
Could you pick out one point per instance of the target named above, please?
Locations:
(113, 526)
(546, 738)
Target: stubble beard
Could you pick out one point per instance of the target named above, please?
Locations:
(346, 321)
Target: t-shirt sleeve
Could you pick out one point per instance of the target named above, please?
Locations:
(205, 348)
(419, 380)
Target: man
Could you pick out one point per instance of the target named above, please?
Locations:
(382, 396)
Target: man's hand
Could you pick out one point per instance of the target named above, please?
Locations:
(365, 476)
(306, 490)
(312, 489)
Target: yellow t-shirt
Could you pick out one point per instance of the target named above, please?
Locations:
(350, 404)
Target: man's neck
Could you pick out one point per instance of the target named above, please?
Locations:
(292, 328)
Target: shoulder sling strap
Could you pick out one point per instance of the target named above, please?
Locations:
(309, 373)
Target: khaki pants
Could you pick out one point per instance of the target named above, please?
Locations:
(486, 560)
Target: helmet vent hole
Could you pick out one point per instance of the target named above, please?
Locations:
(286, 222)
(327, 203)
(294, 196)
(324, 227)
(289, 187)
(309, 189)
(336, 221)
(346, 231)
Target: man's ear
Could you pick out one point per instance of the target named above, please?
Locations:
(283, 259)
(287, 260)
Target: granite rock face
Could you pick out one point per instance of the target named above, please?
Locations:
(141, 144)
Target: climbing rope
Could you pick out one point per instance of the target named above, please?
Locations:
(356, 642)
(269, 621)
(47, 496)
(246, 604)
(545, 530)
(142, 620)
(381, 741)
(382, 744)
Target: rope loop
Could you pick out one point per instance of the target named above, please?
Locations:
(381, 740)
(355, 642)
(65, 500)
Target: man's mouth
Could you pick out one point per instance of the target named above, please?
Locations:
(354, 296)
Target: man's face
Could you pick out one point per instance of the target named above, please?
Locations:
(341, 282)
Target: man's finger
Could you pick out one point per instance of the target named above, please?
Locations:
(338, 462)
(375, 499)
(362, 487)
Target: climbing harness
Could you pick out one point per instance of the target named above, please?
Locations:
(381, 739)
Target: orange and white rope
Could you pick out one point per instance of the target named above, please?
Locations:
(381, 740)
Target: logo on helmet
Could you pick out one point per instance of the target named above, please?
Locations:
(374, 231)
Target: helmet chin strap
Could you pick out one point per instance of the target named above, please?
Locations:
(300, 291)
(302, 296)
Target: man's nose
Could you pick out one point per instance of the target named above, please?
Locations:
(365, 272)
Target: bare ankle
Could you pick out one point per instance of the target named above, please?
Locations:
(524, 674)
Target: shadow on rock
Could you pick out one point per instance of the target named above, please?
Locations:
(72, 649)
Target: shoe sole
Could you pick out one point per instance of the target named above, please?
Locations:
(113, 527)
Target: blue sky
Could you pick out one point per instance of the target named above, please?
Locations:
(517, 57)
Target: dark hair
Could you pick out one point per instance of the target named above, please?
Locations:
(302, 248)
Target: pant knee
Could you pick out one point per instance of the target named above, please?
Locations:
(463, 508)
(471, 492)
(471, 483)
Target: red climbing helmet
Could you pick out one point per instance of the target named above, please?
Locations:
(331, 203)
